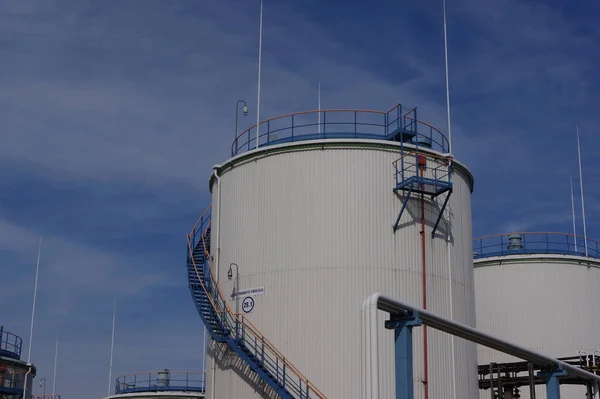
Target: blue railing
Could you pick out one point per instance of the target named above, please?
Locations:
(438, 171)
(534, 243)
(10, 344)
(160, 381)
(46, 397)
(397, 124)
(11, 381)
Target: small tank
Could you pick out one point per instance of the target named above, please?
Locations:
(515, 242)
(163, 378)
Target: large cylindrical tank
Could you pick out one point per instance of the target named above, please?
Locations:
(309, 224)
(539, 290)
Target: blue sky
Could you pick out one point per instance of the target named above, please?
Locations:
(114, 112)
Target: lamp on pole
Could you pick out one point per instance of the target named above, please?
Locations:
(236, 284)
(43, 380)
(237, 112)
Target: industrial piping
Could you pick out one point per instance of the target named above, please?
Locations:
(217, 262)
(424, 280)
(390, 305)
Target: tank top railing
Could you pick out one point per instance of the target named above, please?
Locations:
(239, 330)
(165, 380)
(10, 344)
(534, 243)
(399, 123)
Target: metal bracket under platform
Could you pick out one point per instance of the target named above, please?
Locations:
(410, 177)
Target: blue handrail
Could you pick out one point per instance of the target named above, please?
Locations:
(235, 329)
(160, 381)
(534, 243)
(340, 124)
(10, 344)
(11, 381)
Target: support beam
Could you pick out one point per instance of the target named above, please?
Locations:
(531, 380)
(552, 382)
(402, 209)
(441, 213)
(403, 352)
(393, 306)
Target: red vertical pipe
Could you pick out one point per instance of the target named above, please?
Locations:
(424, 285)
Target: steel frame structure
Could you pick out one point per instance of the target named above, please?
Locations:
(404, 317)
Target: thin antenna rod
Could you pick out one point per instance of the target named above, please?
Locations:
(112, 346)
(581, 187)
(37, 270)
(319, 113)
(55, 360)
(448, 240)
(447, 81)
(573, 213)
(259, 67)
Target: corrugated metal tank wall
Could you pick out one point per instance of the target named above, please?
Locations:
(548, 303)
(312, 224)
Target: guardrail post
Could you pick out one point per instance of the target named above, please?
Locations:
(402, 324)
(552, 382)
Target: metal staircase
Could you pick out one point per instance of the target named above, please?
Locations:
(235, 330)
(417, 171)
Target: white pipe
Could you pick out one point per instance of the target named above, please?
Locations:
(217, 258)
(453, 365)
(581, 186)
(55, 360)
(259, 67)
(363, 355)
(366, 377)
(447, 81)
(112, 346)
(25, 382)
(204, 352)
(37, 270)
(371, 368)
(573, 213)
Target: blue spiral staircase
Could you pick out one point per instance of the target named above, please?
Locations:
(235, 330)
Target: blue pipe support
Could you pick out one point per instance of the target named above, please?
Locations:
(403, 352)
(552, 382)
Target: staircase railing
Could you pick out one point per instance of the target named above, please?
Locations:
(240, 334)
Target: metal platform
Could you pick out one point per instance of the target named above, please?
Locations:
(422, 173)
(517, 376)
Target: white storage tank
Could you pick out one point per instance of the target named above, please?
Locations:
(307, 220)
(541, 291)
